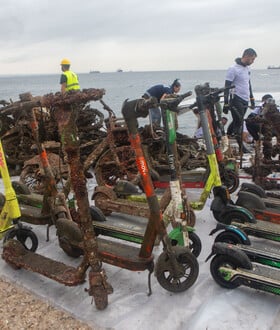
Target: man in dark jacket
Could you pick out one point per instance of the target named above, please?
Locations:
(160, 91)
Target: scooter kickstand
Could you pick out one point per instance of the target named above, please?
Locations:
(151, 270)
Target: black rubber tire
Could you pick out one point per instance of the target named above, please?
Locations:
(223, 260)
(230, 179)
(97, 214)
(65, 235)
(168, 281)
(2, 200)
(22, 235)
(69, 249)
(195, 244)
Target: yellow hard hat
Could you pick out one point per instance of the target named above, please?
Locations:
(65, 61)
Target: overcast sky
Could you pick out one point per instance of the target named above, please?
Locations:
(137, 35)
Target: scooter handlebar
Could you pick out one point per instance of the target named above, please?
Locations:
(171, 103)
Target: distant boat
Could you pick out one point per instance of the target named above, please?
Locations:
(119, 70)
(94, 71)
(273, 67)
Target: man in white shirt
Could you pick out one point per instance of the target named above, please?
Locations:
(237, 99)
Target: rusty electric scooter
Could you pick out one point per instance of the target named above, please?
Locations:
(14, 252)
(173, 202)
(177, 268)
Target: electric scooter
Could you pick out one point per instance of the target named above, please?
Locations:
(227, 168)
(176, 268)
(203, 98)
(167, 265)
(231, 267)
(234, 219)
(258, 207)
(175, 208)
(256, 250)
(10, 215)
(270, 199)
(178, 208)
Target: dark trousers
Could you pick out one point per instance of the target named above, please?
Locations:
(238, 108)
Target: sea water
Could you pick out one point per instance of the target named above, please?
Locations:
(130, 85)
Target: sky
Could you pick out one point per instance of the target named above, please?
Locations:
(136, 35)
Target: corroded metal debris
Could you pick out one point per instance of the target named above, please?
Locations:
(15, 254)
(104, 144)
(266, 160)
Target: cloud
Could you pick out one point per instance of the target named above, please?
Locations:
(139, 35)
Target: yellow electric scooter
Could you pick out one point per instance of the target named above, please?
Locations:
(10, 225)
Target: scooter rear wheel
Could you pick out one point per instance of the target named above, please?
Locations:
(223, 260)
(181, 280)
(107, 170)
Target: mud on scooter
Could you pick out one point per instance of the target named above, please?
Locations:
(176, 268)
(175, 208)
(227, 167)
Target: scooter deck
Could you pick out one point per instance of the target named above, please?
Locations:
(125, 206)
(259, 226)
(259, 250)
(33, 215)
(189, 179)
(269, 214)
(110, 252)
(15, 254)
(134, 227)
(271, 202)
(31, 199)
(264, 274)
(123, 255)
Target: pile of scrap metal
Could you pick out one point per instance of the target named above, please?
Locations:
(104, 144)
(17, 138)
(266, 160)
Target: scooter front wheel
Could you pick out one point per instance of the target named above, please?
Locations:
(183, 277)
(25, 236)
(230, 179)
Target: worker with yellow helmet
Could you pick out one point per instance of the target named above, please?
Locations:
(68, 80)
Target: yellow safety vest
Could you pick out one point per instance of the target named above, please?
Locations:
(72, 81)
